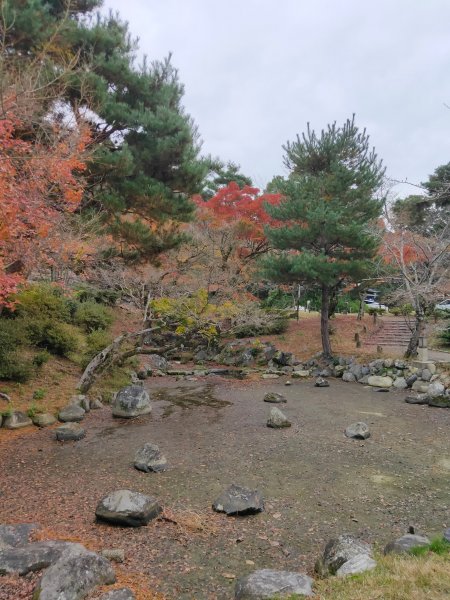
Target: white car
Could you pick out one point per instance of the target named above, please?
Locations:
(373, 304)
(444, 305)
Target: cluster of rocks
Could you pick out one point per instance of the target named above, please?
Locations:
(70, 571)
(70, 415)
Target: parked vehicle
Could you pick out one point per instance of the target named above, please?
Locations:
(444, 305)
(372, 303)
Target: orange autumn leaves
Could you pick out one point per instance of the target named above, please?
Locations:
(40, 180)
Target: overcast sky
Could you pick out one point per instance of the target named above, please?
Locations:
(256, 71)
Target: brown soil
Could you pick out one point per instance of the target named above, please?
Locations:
(317, 483)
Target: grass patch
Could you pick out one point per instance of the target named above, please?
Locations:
(395, 578)
(437, 546)
(111, 381)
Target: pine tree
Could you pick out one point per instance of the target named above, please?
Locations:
(145, 154)
(328, 213)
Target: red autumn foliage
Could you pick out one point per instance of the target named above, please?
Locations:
(38, 183)
(243, 210)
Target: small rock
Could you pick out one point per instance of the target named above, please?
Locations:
(435, 389)
(43, 419)
(400, 383)
(300, 374)
(405, 543)
(269, 376)
(120, 594)
(17, 420)
(237, 500)
(74, 575)
(69, 432)
(379, 381)
(96, 404)
(411, 379)
(359, 431)
(348, 377)
(288, 382)
(125, 507)
(131, 401)
(340, 550)
(421, 399)
(267, 583)
(85, 404)
(356, 564)
(426, 374)
(149, 458)
(277, 419)
(274, 398)
(71, 413)
(321, 382)
(439, 401)
(446, 535)
(114, 554)
(420, 386)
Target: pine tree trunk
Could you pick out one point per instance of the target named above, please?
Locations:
(418, 331)
(326, 347)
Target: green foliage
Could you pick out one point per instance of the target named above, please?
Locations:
(92, 316)
(57, 337)
(41, 358)
(39, 394)
(445, 336)
(221, 175)
(376, 311)
(12, 366)
(438, 546)
(43, 301)
(33, 410)
(328, 213)
(277, 298)
(96, 341)
(89, 293)
(403, 310)
(274, 324)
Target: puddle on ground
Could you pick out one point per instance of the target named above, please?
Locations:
(188, 397)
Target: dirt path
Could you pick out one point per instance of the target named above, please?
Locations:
(316, 482)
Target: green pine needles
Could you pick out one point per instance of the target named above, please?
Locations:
(328, 213)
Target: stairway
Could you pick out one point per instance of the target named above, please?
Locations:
(391, 332)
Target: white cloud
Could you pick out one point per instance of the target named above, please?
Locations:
(256, 71)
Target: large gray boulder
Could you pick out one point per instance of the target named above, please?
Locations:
(380, 381)
(17, 420)
(73, 576)
(131, 401)
(237, 500)
(348, 377)
(33, 557)
(400, 383)
(124, 507)
(277, 419)
(43, 419)
(72, 413)
(340, 551)
(439, 401)
(149, 458)
(69, 432)
(12, 536)
(405, 544)
(435, 389)
(265, 584)
(357, 564)
(122, 594)
(274, 398)
(359, 431)
(446, 535)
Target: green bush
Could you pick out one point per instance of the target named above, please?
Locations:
(12, 367)
(43, 301)
(95, 342)
(377, 311)
(92, 316)
(41, 358)
(445, 336)
(39, 394)
(403, 310)
(89, 293)
(58, 338)
(272, 327)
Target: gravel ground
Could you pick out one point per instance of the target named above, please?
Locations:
(317, 483)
